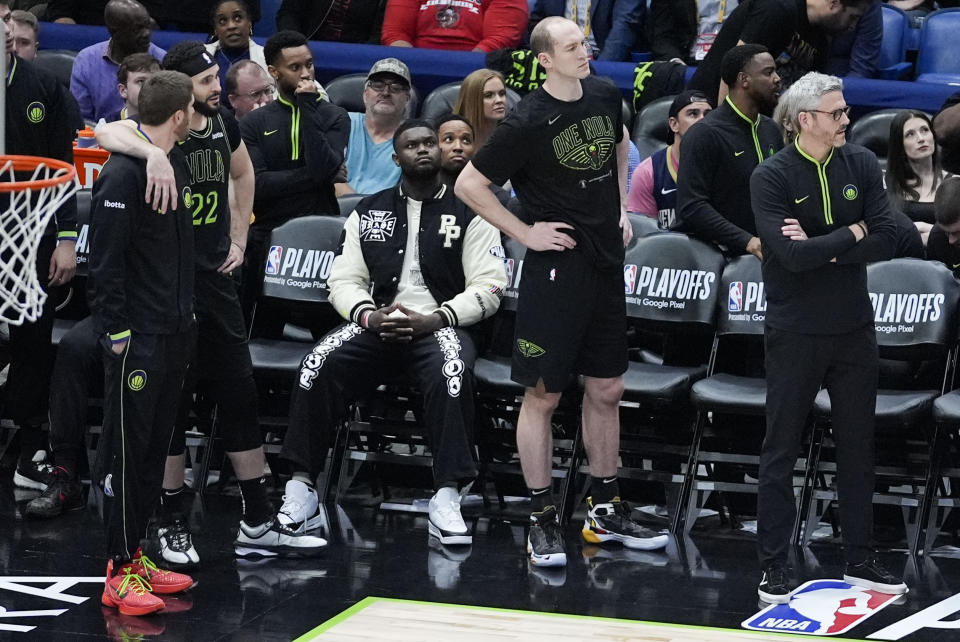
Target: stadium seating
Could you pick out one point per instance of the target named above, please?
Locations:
(650, 130)
(441, 100)
(912, 332)
(348, 203)
(937, 60)
(892, 64)
(58, 62)
(740, 320)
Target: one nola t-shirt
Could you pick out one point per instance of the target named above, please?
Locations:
(561, 158)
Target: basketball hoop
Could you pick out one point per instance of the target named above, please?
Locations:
(28, 207)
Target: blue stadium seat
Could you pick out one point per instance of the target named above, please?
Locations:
(937, 61)
(267, 24)
(893, 49)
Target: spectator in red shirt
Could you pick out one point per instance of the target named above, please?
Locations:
(464, 25)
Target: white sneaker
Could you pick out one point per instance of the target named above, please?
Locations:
(301, 508)
(176, 544)
(446, 523)
(273, 538)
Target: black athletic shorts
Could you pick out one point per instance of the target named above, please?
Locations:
(221, 333)
(571, 320)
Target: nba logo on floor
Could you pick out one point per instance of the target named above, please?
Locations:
(273, 260)
(736, 297)
(629, 278)
(820, 607)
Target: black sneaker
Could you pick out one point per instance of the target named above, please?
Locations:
(612, 521)
(61, 495)
(775, 586)
(870, 574)
(35, 474)
(545, 541)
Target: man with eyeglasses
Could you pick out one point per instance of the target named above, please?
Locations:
(248, 87)
(821, 213)
(386, 94)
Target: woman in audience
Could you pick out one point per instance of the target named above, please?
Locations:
(482, 100)
(475, 25)
(913, 167)
(233, 31)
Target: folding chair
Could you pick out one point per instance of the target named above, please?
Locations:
(915, 306)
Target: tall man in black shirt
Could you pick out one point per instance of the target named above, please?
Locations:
(822, 213)
(722, 150)
(564, 150)
(796, 32)
(141, 271)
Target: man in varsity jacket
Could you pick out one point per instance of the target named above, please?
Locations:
(822, 214)
(436, 269)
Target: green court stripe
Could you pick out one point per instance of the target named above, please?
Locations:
(367, 601)
(340, 617)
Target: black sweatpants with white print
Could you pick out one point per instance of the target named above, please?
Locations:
(350, 362)
(141, 393)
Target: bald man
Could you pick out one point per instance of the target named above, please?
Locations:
(249, 87)
(94, 79)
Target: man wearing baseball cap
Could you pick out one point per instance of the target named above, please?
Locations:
(386, 94)
(653, 187)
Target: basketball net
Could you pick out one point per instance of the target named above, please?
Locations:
(30, 206)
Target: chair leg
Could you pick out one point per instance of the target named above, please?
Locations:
(568, 487)
(682, 523)
(809, 484)
(200, 476)
(333, 477)
(929, 499)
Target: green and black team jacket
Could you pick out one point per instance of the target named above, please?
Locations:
(719, 154)
(141, 262)
(42, 120)
(806, 291)
(296, 149)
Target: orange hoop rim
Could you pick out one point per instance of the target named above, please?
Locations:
(30, 163)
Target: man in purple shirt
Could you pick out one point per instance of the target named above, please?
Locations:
(94, 79)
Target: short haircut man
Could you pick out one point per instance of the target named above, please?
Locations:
(653, 186)
(721, 151)
(132, 73)
(248, 87)
(571, 181)
(822, 213)
(25, 30)
(142, 303)
(413, 320)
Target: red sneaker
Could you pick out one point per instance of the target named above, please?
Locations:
(161, 580)
(128, 592)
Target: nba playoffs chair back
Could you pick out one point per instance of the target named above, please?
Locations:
(741, 310)
(671, 285)
(299, 257)
(915, 314)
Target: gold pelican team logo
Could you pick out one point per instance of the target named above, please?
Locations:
(35, 112)
(587, 145)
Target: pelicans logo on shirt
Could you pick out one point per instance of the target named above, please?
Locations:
(587, 145)
(850, 192)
